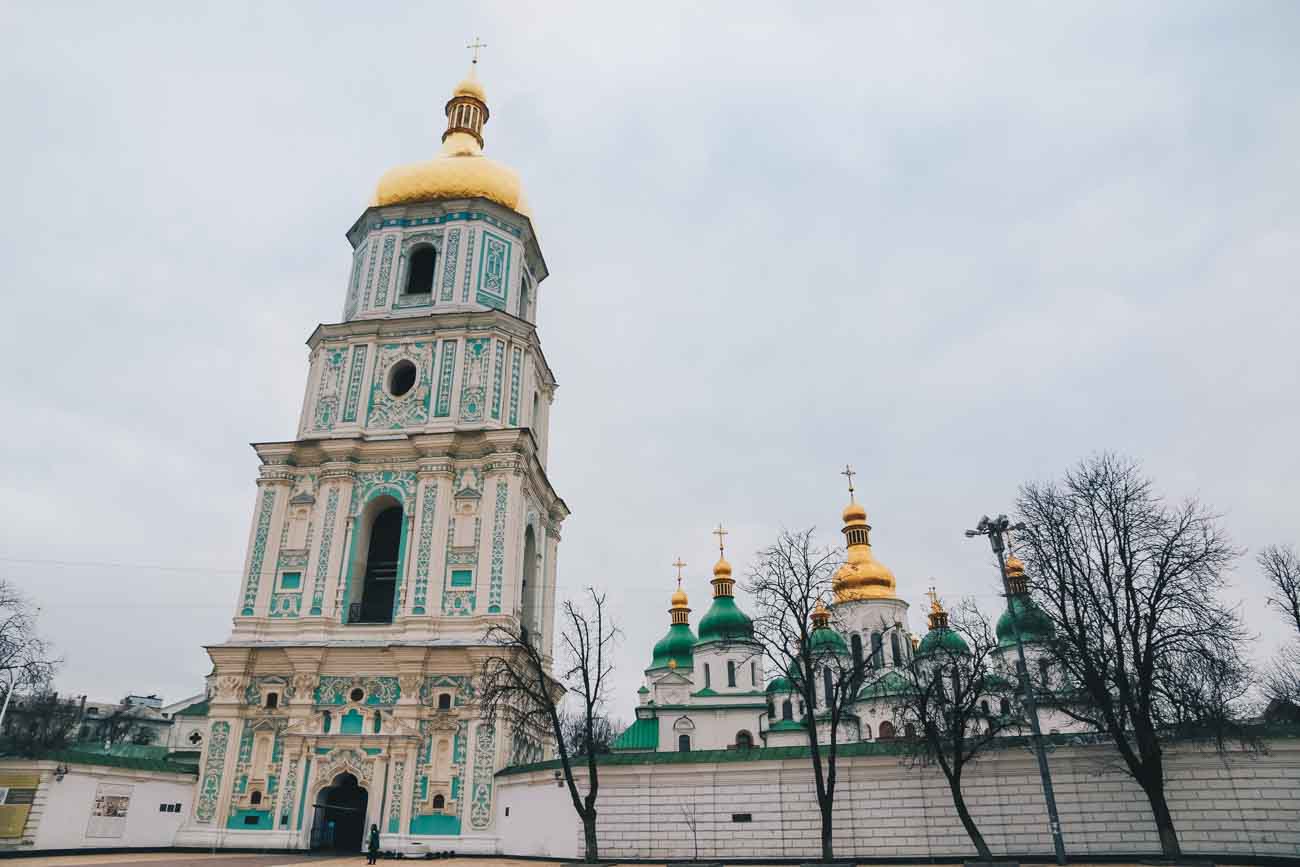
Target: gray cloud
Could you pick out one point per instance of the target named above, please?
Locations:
(958, 247)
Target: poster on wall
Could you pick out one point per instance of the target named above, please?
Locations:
(108, 812)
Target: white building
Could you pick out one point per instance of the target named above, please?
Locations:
(410, 511)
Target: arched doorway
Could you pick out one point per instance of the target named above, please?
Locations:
(374, 577)
(340, 816)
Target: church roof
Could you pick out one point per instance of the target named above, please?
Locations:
(1035, 625)
(641, 735)
(724, 621)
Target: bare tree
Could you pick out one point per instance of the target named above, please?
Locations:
(516, 687)
(26, 660)
(953, 689)
(41, 722)
(125, 725)
(1147, 650)
(1281, 565)
(789, 581)
(603, 732)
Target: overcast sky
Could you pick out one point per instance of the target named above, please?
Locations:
(959, 248)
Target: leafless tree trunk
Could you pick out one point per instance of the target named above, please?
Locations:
(787, 581)
(949, 704)
(517, 687)
(1281, 566)
(1148, 651)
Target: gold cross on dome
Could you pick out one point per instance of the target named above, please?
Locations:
(720, 532)
(848, 471)
(680, 566)
(934, 598)
(475, 46)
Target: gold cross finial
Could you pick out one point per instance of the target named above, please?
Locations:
(934, 598)
(475, 46)
(848, 472)
(680, 566)
(720, 532)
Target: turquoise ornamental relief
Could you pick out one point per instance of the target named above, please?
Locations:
(329, 389)
(354, 382)
(459, 603)
(452, 249)
(454, 217)
(258, 553)
(205, 807)
(370, 279)
(385, 273)
(424, 551)
(379, 691)
(493, 271)
(469, 266)
(446, 371)
(516, 367)
(354, 288)
(498, 547)
(400, 484)
(411, 409)
(474, 376)
(498, 364)
(323, 556)
(480, 801)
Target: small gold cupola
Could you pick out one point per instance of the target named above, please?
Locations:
(679, 610)
(938, 616)
(723, 583)
(821, 616)
(1017, 581)
(467, 110)
(862, 576)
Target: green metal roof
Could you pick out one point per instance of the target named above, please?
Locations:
(779, 684)
(641, 735)
(1035, 625)
(892, 683)
(827, 640)
(942, 638)
(197, 709)
(724, 621)
(787, 725)
(108, 760)
(677, 646)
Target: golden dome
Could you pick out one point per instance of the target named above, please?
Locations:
(460, 171)
(862, 576)
(679, 598)
(722, 569)
(1015, 567)
(821, 616)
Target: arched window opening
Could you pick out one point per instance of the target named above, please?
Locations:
(984, 707)
(535, 418)
(707, 681)
(828, 686)
(895, 650)
(855, 642)
(327, 721)
(771, 708)
(272, 700)
(372, 601)
(744, 740)
(379, 722)
(787, 710)
(886, 730)
(753, 674)
(683, 743)
(419, 274)
(255, 798)
(803, 710)
(523, 300)
(439, 802)
(444, 701)
(1044, 671)
(877, 650)
(1004, 707)
(956, 687)
(731, 672)
(909, 731)
(529, 589)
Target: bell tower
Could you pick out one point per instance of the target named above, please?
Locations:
(412, 509)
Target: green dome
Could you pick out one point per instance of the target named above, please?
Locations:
(726, 622)
(942, 638)
(1034, 624)
(678, 645)
(827, 639)
(779, 684)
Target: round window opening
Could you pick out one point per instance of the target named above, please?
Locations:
(357, 694)
(402, 378)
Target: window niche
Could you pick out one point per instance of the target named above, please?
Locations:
(420, 271)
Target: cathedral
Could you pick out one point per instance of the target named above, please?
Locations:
(412, 509)
(709, 692)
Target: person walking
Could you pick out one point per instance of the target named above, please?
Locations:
(372, 850)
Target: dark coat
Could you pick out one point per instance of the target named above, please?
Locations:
(374, 839)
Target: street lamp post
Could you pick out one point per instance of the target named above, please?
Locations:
(996, 529)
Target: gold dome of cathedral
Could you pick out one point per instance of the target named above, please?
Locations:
(460, 171)
(862, 576)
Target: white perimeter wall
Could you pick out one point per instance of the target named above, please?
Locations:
(1248, 804)
(65, 807)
